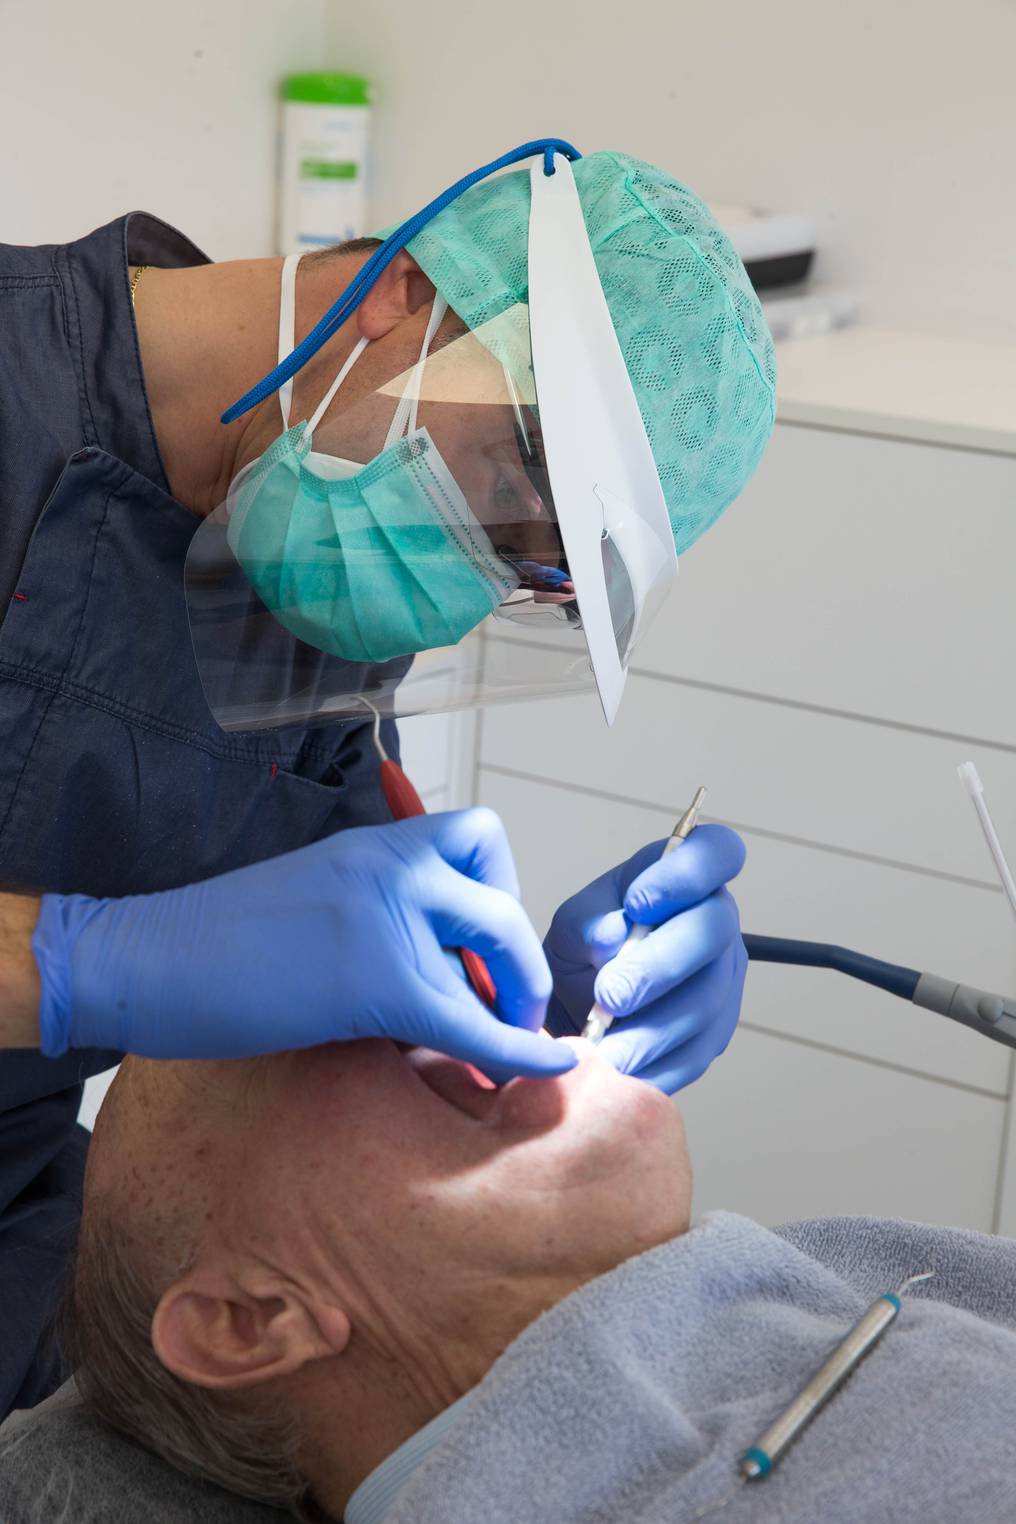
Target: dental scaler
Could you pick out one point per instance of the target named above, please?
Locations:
(598, 1020)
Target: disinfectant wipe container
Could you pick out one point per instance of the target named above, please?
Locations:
(322, 151)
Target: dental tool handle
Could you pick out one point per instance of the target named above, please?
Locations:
(762, 1456)
(404, 802)
(599, 1021)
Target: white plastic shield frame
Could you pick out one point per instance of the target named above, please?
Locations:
(607, 493)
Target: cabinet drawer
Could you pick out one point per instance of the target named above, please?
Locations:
(861, 574)
(780, 1131)
(770, 767)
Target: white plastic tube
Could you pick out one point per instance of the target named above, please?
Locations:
(971, 781)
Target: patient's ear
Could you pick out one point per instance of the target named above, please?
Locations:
(225, 1331)
(400, 290)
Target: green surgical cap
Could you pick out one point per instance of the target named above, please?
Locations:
(690, 326)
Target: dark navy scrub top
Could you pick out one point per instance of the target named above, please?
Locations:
(114, 778)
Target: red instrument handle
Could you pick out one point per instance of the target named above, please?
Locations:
(478, 975)
(404, 802)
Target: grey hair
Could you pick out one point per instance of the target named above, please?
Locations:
(237, 1442)
(335, 250)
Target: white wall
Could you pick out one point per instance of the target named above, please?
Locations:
(896, 121)
(116, 105)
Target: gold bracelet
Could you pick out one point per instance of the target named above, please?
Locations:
(134, 281)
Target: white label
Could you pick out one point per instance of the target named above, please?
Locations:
(323, 153)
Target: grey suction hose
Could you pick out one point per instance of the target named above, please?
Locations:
(992, 1015)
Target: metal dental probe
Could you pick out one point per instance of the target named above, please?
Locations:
(598, 1020)
(761, 1457)
(770, 1447)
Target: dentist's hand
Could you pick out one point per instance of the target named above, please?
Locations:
(339, 940)
(676, 995)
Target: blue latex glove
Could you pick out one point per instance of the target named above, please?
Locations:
(342, 939)
(676, 995)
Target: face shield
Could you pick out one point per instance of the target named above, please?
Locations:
(487, 525)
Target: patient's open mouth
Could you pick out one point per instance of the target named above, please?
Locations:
(522, 1104)
(459, 1084)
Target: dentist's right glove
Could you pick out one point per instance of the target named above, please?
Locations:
(339, 940)
(675, 996)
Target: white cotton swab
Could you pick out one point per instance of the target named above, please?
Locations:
(971, 781)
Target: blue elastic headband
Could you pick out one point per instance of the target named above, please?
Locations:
(382, 257)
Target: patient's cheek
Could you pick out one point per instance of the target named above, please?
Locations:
(529, 1105)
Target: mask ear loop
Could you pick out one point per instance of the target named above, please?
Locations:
(404, 420)
(287, 329)
(322, 407)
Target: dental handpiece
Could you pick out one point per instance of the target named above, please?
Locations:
(598, 1021)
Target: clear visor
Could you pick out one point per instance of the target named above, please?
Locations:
(406, 552)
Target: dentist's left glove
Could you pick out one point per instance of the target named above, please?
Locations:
(339, 940)
(675, 997)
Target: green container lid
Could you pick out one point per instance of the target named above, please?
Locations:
(327, 89)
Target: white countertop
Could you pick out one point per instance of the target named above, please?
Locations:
(919, 386)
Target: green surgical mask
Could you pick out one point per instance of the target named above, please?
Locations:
(366, 562)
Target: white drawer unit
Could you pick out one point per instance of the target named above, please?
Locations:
(835, 647)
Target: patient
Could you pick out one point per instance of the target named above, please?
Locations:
(345, 1238)
(290, 1266)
